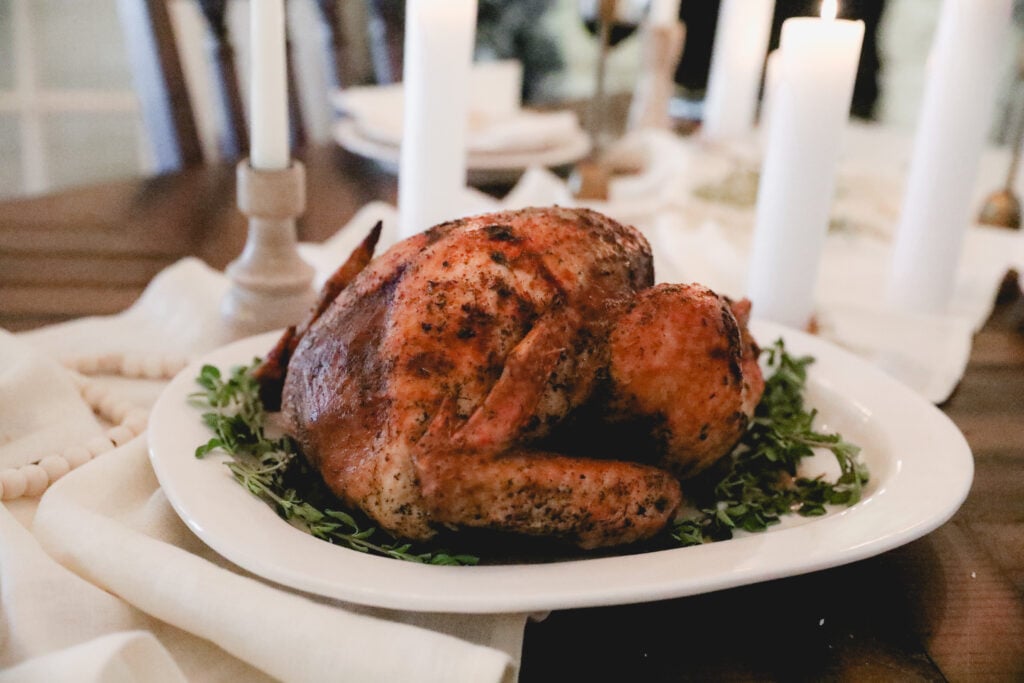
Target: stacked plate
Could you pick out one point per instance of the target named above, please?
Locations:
(503, 139)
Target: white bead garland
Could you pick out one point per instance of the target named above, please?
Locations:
(132, 365)
(76, 456)
(14, 483)
(99, 445)
(56, 466)
(120, 435)
(36, 480)
(129, 419)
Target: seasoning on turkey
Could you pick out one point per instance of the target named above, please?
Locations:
(421, 393)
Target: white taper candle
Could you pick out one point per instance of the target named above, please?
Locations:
(771, 84)
(956, 113)
(737, 59)
(268, 112)
(439, 36)
(664, 12)
(810, 109)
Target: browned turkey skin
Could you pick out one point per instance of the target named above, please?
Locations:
(421, 392)
(683, 363)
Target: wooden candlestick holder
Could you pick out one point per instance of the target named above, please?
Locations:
(271, 285)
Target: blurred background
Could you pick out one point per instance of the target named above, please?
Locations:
(70, 113)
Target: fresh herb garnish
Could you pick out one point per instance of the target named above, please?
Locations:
(751, 489)
(262, 465)
(759, 483)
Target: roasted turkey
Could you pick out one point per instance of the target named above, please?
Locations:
(425, 391)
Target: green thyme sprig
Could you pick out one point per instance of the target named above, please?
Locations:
(262, 464)
(760, 482)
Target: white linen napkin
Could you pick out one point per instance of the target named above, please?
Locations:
(134, 546)
(111, 583)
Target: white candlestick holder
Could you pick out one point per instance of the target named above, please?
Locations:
(271, 285)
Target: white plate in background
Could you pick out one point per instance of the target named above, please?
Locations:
(482, 168)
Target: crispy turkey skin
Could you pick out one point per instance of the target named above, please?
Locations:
(422, 391)
(683, 364)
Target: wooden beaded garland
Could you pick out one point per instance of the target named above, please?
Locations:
(76, 456)
(36, 480)
(129, 420)
(14, 483)
(131, 365)
(56, 466)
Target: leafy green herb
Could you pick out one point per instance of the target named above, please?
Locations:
(760, 482)
(263, 465)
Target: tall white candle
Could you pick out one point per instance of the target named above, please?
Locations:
(664, 12)
(268, 112)
(810, 109)
(737, 59)
(439, 36)
(771, 84)
(955, 116)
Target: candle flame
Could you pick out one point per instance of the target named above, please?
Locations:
(829, 9)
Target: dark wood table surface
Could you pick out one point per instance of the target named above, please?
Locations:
(946, 607)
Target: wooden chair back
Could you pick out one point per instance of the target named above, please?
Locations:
(233, 140)
(167, 109)
(160, 83)
(386, 28)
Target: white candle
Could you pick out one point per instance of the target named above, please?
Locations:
(737, 58)
(955, 116)
(664, 12)
(269, 139)
(810, 110)
(439, 36)
(771, 84)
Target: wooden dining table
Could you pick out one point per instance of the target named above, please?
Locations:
(949, 606)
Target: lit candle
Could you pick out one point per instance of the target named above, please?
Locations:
(439, 37)
(269, 140)
(810, 109)
(956, 113)
(737, 59)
